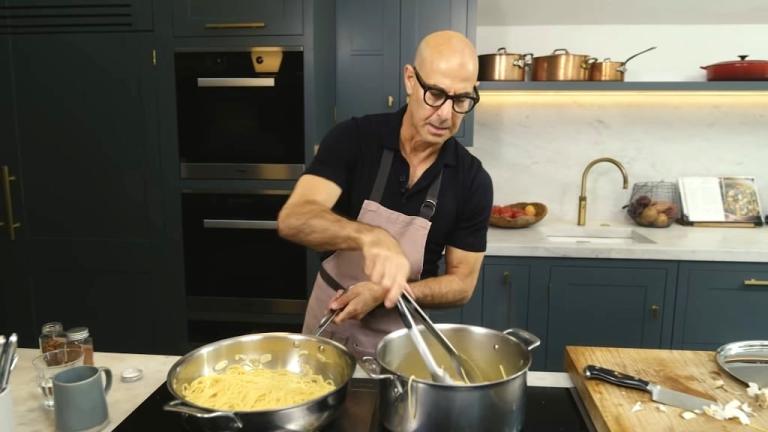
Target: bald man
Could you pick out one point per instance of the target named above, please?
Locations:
(387, 194)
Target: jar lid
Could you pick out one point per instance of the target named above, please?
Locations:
(52, 327)
(77, 333)
(131, 375)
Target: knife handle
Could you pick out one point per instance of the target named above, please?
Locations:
(614, 377)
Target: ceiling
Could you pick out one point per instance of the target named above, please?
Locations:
(595, 12)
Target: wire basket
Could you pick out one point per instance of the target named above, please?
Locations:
(654, 204)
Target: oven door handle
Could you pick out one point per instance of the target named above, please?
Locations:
(236, 82)
(240, 224)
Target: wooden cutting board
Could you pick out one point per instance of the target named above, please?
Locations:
(693, 372)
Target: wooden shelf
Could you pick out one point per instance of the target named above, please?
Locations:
(693, 86)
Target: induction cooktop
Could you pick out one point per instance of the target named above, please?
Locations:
(549, 409)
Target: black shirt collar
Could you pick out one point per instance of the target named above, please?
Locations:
(447, 155)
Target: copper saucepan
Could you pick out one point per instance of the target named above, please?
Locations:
(608, 70)
(503, 66)
(561, 65)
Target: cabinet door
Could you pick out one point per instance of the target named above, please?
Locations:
(89, 191)
(505, 300)
(367, 69)
(422, 17)
(720, 303)
(68, 16)
(237, 17)
(611, 304)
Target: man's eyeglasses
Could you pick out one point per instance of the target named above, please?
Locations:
(435, 96)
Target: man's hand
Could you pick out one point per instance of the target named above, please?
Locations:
(386, 265)
(357, 301)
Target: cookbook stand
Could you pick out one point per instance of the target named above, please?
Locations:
(723, 202)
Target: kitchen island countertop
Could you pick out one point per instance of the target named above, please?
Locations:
(677, 242)
(30, 416)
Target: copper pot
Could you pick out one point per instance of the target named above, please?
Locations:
(561, 66)
(608, 70)
(503, 66)
(738, 70)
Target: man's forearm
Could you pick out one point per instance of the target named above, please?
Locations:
(442, 291)
(317, 227)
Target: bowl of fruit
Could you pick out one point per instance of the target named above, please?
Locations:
(517, 215)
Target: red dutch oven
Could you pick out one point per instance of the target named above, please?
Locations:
(738, 70)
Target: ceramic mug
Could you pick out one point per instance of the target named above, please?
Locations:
(6, 411)
(81, 398)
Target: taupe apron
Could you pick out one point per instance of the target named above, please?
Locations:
(345, 268)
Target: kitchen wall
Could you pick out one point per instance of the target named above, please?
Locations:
(536, 145)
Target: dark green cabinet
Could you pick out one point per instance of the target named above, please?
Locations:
(89, 190)
(720, 303)
(470, 313)
(607, 303)
(209, 18)
(82, 16)
(375, 39)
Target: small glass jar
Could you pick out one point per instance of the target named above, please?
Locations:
(79, 337)
(52, 337)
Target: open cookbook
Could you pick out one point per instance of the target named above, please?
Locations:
(720, 201)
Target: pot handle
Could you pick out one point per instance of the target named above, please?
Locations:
(623, 67)
(179, 407)
(372, 367)
(528, 339)
(560, 51)
(588, 62)
(501, 50)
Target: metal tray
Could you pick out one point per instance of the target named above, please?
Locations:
(745, 360)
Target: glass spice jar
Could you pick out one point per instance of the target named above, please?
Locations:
(52, 337)
(80, 338)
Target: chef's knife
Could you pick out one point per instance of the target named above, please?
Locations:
(658, 393)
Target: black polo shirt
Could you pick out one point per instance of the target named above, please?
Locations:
(350, 154)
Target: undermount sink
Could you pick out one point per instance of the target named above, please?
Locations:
(596, 235)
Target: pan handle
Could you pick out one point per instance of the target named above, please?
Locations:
(528, 339)
(623, 68)
(372, 367)
(179, 407)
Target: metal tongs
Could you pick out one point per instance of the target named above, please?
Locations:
(463, 367)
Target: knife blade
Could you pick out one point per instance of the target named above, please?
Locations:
(658, 392)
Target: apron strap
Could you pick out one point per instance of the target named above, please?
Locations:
(330, 280)
(430, 204)
(381, 176)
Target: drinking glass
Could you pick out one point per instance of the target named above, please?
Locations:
(49, 364)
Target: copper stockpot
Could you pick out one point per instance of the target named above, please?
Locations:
(503, 66)
(561, 66)
(608, 70)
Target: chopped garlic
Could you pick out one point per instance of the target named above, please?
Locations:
(638, 407)
(753, 389)
(729, 411)
(718, 383)
(762, 398)
(687, 415)
(661, 408)
(747, 409)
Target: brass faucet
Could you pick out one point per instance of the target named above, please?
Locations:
(583, 195)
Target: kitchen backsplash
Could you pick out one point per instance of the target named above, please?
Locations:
(536, 145)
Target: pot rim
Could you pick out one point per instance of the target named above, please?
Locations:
(400, 332)
(210, 346)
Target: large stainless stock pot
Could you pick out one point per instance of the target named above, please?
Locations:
(410, 401)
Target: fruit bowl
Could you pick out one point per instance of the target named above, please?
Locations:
(517, 215)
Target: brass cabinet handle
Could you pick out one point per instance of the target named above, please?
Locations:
(240, 25)
(655, 311)
(390, 101)
(755, 282)
(7, 178)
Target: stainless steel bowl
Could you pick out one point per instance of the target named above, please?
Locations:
(287, 351)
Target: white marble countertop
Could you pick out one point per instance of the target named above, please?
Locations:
(31, 416)
(676, 242)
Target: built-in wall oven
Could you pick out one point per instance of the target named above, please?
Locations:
(241, 135)
(241, 276)
(241, 113)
